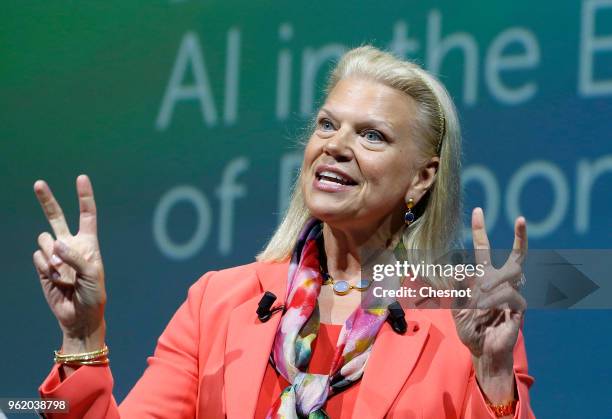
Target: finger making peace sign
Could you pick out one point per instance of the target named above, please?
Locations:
(490, 323)
(70, 266)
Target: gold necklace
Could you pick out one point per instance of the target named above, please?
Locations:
(343, 287)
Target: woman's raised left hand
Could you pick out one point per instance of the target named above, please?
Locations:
(489, 324)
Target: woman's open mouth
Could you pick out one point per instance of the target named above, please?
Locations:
(331, 179)
(327, 176)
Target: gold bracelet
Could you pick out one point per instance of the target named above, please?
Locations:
(103, 361)
(504, 409)
(81, 357)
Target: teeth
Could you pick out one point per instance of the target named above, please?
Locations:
(331, 182)
(333, 176)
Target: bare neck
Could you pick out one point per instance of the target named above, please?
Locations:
(345, 251)
(345, 248)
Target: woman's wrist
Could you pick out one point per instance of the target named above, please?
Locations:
(495, 377)
(91, 340)
(73, 343)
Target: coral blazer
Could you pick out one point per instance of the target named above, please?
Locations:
(210, 362)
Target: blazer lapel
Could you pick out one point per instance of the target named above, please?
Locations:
(392, 360)
(249, 343)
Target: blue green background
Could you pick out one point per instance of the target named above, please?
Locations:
(81, 87)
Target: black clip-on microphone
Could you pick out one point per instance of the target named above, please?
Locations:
(397, 318)
(264, 311)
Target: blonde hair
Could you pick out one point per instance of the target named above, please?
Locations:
(438, 132)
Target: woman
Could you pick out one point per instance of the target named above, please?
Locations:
(381, 169)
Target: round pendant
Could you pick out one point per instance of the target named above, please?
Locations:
(342, 287)
(362, 284)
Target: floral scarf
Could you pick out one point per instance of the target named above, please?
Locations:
(292, 349)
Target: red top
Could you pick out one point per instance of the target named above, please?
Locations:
(337, 406)
(205, 359)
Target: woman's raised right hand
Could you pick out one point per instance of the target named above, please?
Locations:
(71, 271)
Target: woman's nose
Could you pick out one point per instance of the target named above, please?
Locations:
(338, 147)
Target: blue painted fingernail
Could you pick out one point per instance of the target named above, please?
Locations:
(55, 275)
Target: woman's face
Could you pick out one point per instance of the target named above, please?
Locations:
(360, 164)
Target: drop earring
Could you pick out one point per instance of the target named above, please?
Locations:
(409, 215)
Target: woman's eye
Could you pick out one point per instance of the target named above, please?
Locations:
(326, 125)
(373, 136)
